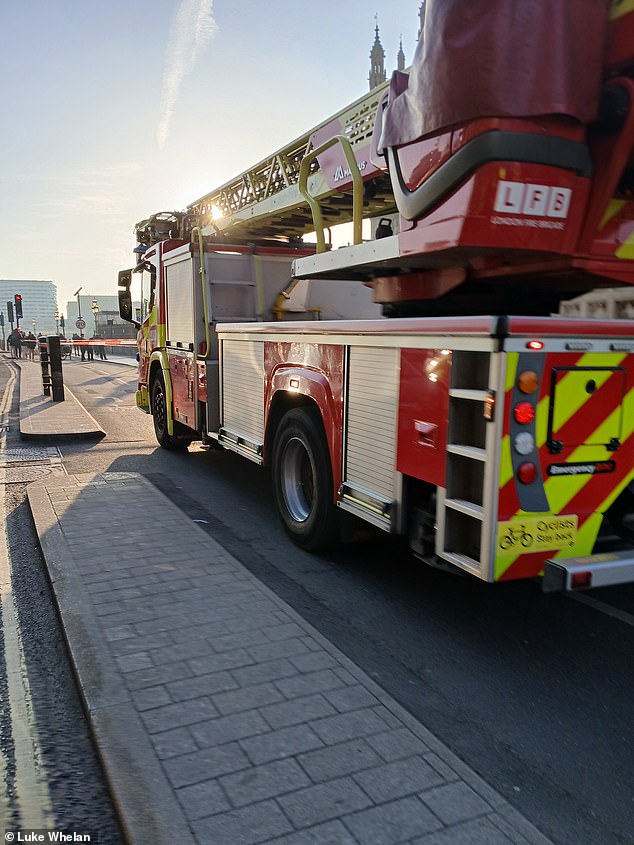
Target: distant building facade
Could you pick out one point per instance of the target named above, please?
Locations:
(39, 303)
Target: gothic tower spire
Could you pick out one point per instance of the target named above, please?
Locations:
(400, 57)
(377, 60)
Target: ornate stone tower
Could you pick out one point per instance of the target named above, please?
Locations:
(400, 57)
(377, 61)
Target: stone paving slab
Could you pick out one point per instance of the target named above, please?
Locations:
(221, 716)
(45, 420)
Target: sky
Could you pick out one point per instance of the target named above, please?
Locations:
(112, 111)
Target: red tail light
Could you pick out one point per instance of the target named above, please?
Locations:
(524, 413)
(581, 580)
(527, 472)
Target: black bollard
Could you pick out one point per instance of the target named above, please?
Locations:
(55, 361)
(46, 371)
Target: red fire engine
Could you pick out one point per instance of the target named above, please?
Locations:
(500, 171)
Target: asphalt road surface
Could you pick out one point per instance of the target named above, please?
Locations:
(533, 691)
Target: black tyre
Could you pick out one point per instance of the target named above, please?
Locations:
(159, 417)
(302, 480)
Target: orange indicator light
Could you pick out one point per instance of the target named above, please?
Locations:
(527, 381)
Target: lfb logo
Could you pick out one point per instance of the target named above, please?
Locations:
(532, 200)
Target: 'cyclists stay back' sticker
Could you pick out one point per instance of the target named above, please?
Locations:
(535, 534)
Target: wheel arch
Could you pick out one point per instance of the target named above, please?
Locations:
(296, 387)
(159, 365)
(281, 402)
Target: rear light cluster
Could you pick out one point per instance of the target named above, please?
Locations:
(524, 414)
(581, 580)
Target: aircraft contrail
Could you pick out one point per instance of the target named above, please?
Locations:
(192, 28)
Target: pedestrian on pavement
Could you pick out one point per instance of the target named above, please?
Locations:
(17, 343)
(90, 349)
(100, 348)
(76, 340)
(11, 343)
(30, 342)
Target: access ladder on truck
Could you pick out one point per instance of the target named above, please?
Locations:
(268, 201)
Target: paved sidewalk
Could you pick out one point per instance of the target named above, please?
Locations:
(221, 716)
(44, 419)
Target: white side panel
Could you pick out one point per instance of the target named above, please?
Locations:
(371, 422)
(180, 310)
(243, 388)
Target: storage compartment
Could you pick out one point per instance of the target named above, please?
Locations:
(465, 533)
(470, 370)
(465, 479)
(467, 426)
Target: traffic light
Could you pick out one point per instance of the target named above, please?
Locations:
(10, 312)
(18, 305)
(1, 319)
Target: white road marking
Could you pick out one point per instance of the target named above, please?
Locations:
(602, 607)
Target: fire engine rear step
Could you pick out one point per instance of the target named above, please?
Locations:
(579, 573)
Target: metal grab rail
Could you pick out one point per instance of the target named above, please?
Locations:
(197, 233)
(357, 189)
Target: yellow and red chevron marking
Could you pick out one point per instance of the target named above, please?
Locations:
(586, 496)
(619, 8)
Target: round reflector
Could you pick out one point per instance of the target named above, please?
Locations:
(524, 443)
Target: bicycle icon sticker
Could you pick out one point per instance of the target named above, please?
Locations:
(514, 536)
(546, 533)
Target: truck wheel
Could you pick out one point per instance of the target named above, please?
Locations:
(159, 416)
(302, 480)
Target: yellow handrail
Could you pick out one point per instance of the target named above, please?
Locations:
(357, 190)
(203, 277)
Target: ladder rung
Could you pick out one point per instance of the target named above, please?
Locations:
(463, 393)
(468, 508)
(461, 560)
(231, 283)
(472, 452)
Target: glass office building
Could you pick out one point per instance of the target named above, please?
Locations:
(39, 303)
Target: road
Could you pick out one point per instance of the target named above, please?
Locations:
(533, 691)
